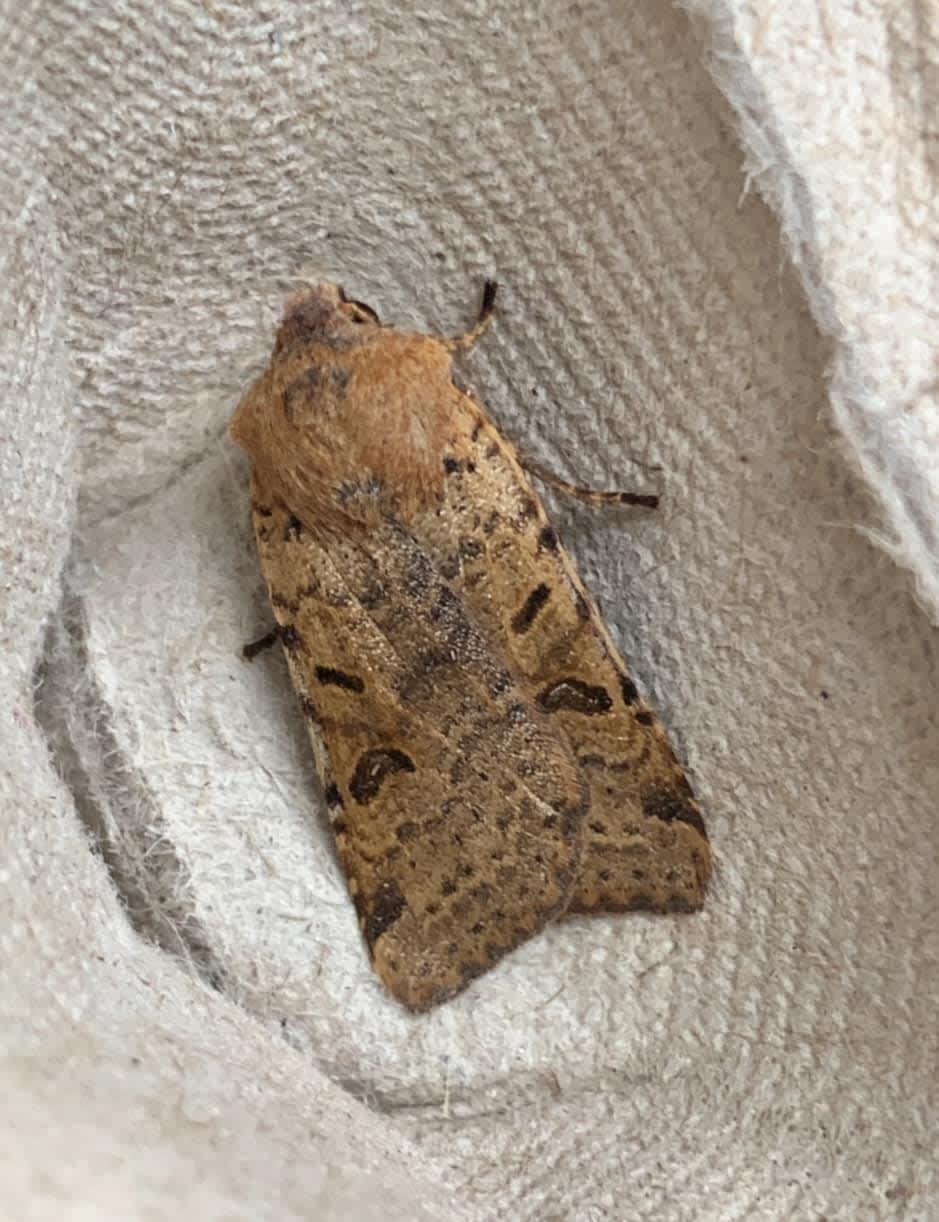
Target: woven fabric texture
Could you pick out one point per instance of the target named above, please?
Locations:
(713, 230)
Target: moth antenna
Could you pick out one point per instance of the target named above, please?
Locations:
(462, 343)
(593, 496)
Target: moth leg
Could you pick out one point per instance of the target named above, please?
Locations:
(250, 652)
(462, 343)
(593, 496)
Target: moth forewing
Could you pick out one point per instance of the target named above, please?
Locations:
(486, 761)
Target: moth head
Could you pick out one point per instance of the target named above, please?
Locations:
(351, 419)
(323, 314)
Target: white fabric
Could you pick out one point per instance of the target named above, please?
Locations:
(186, 1007)
(836, 105)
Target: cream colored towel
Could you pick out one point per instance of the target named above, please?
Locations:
(738, 292)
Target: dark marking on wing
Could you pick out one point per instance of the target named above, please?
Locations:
(528, 508)
(668, 806)
(309, 709)
(645, 717)
(373, 596)
(500, 682)
(333, 796)
(447, 607)
(360, 491)
(329, 676)
(449, 567)
(419, 576)
(283, 603)
(451, 465)
(548, 539)
(372, 769)
(263, 511)
(629, 689)
(386, 907)
(575, 695)
(525, 616)
(421, 676)
(340, 379)
(300, 389)
(294, 528)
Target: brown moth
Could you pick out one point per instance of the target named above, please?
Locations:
(487, 761)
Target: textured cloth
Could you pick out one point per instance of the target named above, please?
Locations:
(836, 104)
(735, 292)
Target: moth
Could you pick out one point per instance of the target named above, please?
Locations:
(487, 762)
